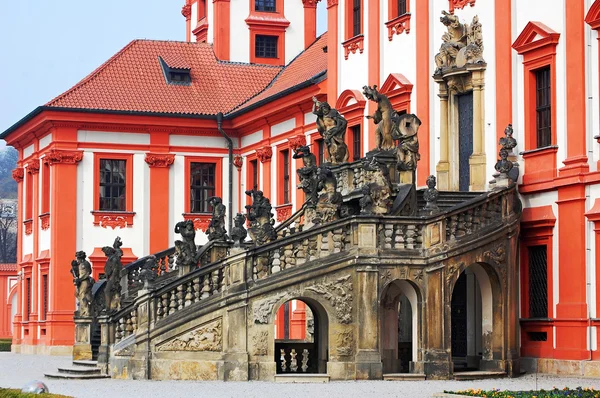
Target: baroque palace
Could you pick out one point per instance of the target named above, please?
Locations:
(368, 270)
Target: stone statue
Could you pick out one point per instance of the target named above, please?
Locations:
(430, 195)
(453, 41)
(112, 273)
(366, 202)
(148, 271)
(308, 175)
(462, 44)
(216, 227)
(503, 166)
(186, 248)
(508, 142)
(239, 233)
(329, 199)
(408, 141)
(259, 214)
(81, 270)
(332, 127)
(383, 118)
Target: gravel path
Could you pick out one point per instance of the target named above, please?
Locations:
(16, 370)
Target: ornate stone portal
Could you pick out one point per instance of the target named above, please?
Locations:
(460, 70)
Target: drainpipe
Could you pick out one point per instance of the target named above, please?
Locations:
(230, 147)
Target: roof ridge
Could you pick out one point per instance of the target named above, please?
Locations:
(94, 73)
(283, 69)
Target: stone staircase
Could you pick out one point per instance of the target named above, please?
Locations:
(81, 370)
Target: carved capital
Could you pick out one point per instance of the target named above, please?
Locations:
(332, 3)
(264, 154)
(33, 166)
(186, 11)
(160, 159)
(238, 161)
(18, 174)
(56, 156)
(460, 4)
(310, 3)
(297, 141)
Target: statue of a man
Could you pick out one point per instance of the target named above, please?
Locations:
(186, 247)
(112, 272)
(383, 118)
(308, 175)
(332, 127)
(83, 281)
(216, 227)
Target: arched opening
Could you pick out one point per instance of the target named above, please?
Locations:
(301, 337)
(399, 327)
(471, 318)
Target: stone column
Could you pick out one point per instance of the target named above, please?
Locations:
(478, 158)
(443, 166)
(107, 337)
(82, 349)
(437, 363)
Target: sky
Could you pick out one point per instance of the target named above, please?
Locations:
(46, 47)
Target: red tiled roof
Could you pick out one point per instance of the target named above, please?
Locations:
(133, 80)
(8, 268)
(305, 66)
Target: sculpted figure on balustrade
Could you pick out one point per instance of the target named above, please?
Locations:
(261, 218)
(308, 175)
(112, 273)
(186, 247)
(216, 227)
(81, 270)
(332, 127)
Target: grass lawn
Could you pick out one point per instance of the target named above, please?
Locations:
(14, 393)
(565, 392)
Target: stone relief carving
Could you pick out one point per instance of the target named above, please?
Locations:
(497, 255)
(260, 342)
(264, 308)
(339, 294)
(208, 337)
(330, 199)
(345, 343)
(377, 190)
(332, 127)
(386, 276)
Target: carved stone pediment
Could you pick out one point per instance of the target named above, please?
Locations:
(207, 337)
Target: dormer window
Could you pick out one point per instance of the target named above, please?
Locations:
(176, 75)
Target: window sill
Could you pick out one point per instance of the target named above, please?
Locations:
(45, 221)
(398, 25)
(113, 219)
(536, 151)
(28, 224)
(283, 212)
(356, 43)
(200, 220)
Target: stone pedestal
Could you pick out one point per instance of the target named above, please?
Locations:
(106, 339)
(437, 365)
(82, 349)
(477, 172)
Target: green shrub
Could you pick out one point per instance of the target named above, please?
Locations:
(14, 393)
(555, 392)
(5, 344)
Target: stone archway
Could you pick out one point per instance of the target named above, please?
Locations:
(306, 355)
(400, 327)
(476, 319)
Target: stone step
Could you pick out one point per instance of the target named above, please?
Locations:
(403, 376)
(302, 378)
(75, 376)
(86, 363)
(478, 375)
(82, 370)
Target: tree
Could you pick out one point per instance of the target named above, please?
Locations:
(8, 161)
(8, 240)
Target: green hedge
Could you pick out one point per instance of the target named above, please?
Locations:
(565, 392)
(13, 393)
(5, 344)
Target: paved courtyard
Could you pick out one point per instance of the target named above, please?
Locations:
(16, 370)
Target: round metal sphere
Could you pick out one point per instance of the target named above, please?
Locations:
(35, 387)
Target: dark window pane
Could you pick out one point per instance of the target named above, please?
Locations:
(264, 5)
(112, 184)
(401, 7)
(254, 182)
(285, 155)
(356, 142)
(356, 15)
(266, 46)
(538, 281)
(543, 108)
(321, 148)
(202, 186)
